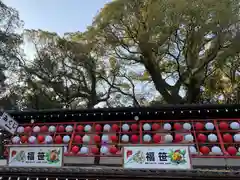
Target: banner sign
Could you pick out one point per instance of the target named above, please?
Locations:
(156, 157)
(8, 123)
(35, 156)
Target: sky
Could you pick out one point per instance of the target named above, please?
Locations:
(57, 15)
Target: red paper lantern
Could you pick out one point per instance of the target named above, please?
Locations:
(44, 128)
(113, 150)
(134, 138)
(58, 139)
(199, 126)
(227, 138)
(204, 150)
(232, 150)
(177, 126)
(155, 127)
(97, 138)
(98, 127)
(201, 138)
(75, 149)
(78, 139)
(40, 139)
(60, 128)
(24, 139)
(178, 138)
(223, 126)
(95, 150)
(27, 129)
(114, 138)
(115, 127)
(156, 138)
(134, 127)
(80, 128)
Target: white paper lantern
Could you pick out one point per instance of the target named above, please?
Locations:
(104, 150)
(216, 150)
(69, 128)
(239, 149)
(87, 128)
(16, 140)
(36, 129)
(48, 139)
(52, 129)
(234, 126)
(212, 137)
(83, 150)
(32, 139)
(65, 149)
(105, 138)
(20, 129)
(66, 139)
(147, 138)
(168, 138)
(86, 139)
(167, 126)
(147, 127)
(187, 126)
(209, 126)
(188, 138)
(125, 138)
(125, 127)
(236, 137)
(193, 150)
(106, 127)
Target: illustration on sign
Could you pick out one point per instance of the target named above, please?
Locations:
(177, 156)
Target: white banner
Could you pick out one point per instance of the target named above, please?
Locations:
(156, 157)
(35, 156)
(8, 123)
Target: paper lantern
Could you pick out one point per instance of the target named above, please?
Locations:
(105, 138)
(134, 138)
(115, 127)
(201, 138)
(84, 150)
(236, 137)
(48, 139)
(75, 149)
(106, 127)
(36, 129)
(234, 126)
(216, 150)
(223, 126)
(80, 128)
(156, 138)
(58, 139)
(134, 127)
(114, 138)
(87, 128)
(104, 150)
(193, 150)
(168, 138)
(65, 149)
(147, 138)
(187, 126)
(212, 138)
(125, 138)
(66, 139)
(44, 129)
(98, 128)
(40, 139)
(199, 126)
(86, 139)
(77, 139)
(95, 150)
(69, 128)
(177, 126)
(20, 129)
(155, 126)
(24, 139)
(147, 127)
(125, 127)
(227, 138)
(16, 140)
(178, 138)
(188, 138)
(32, 139)
(209, 126)
(52, 129)
(113, 150)
(27, 129)
(60, 128)
(97, 139)
(167, 127)
(204, 150)
(232, 150)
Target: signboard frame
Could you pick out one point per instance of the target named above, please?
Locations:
(156, 145)
(61, 146)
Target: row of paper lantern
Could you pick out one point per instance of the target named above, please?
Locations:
(94, 150)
